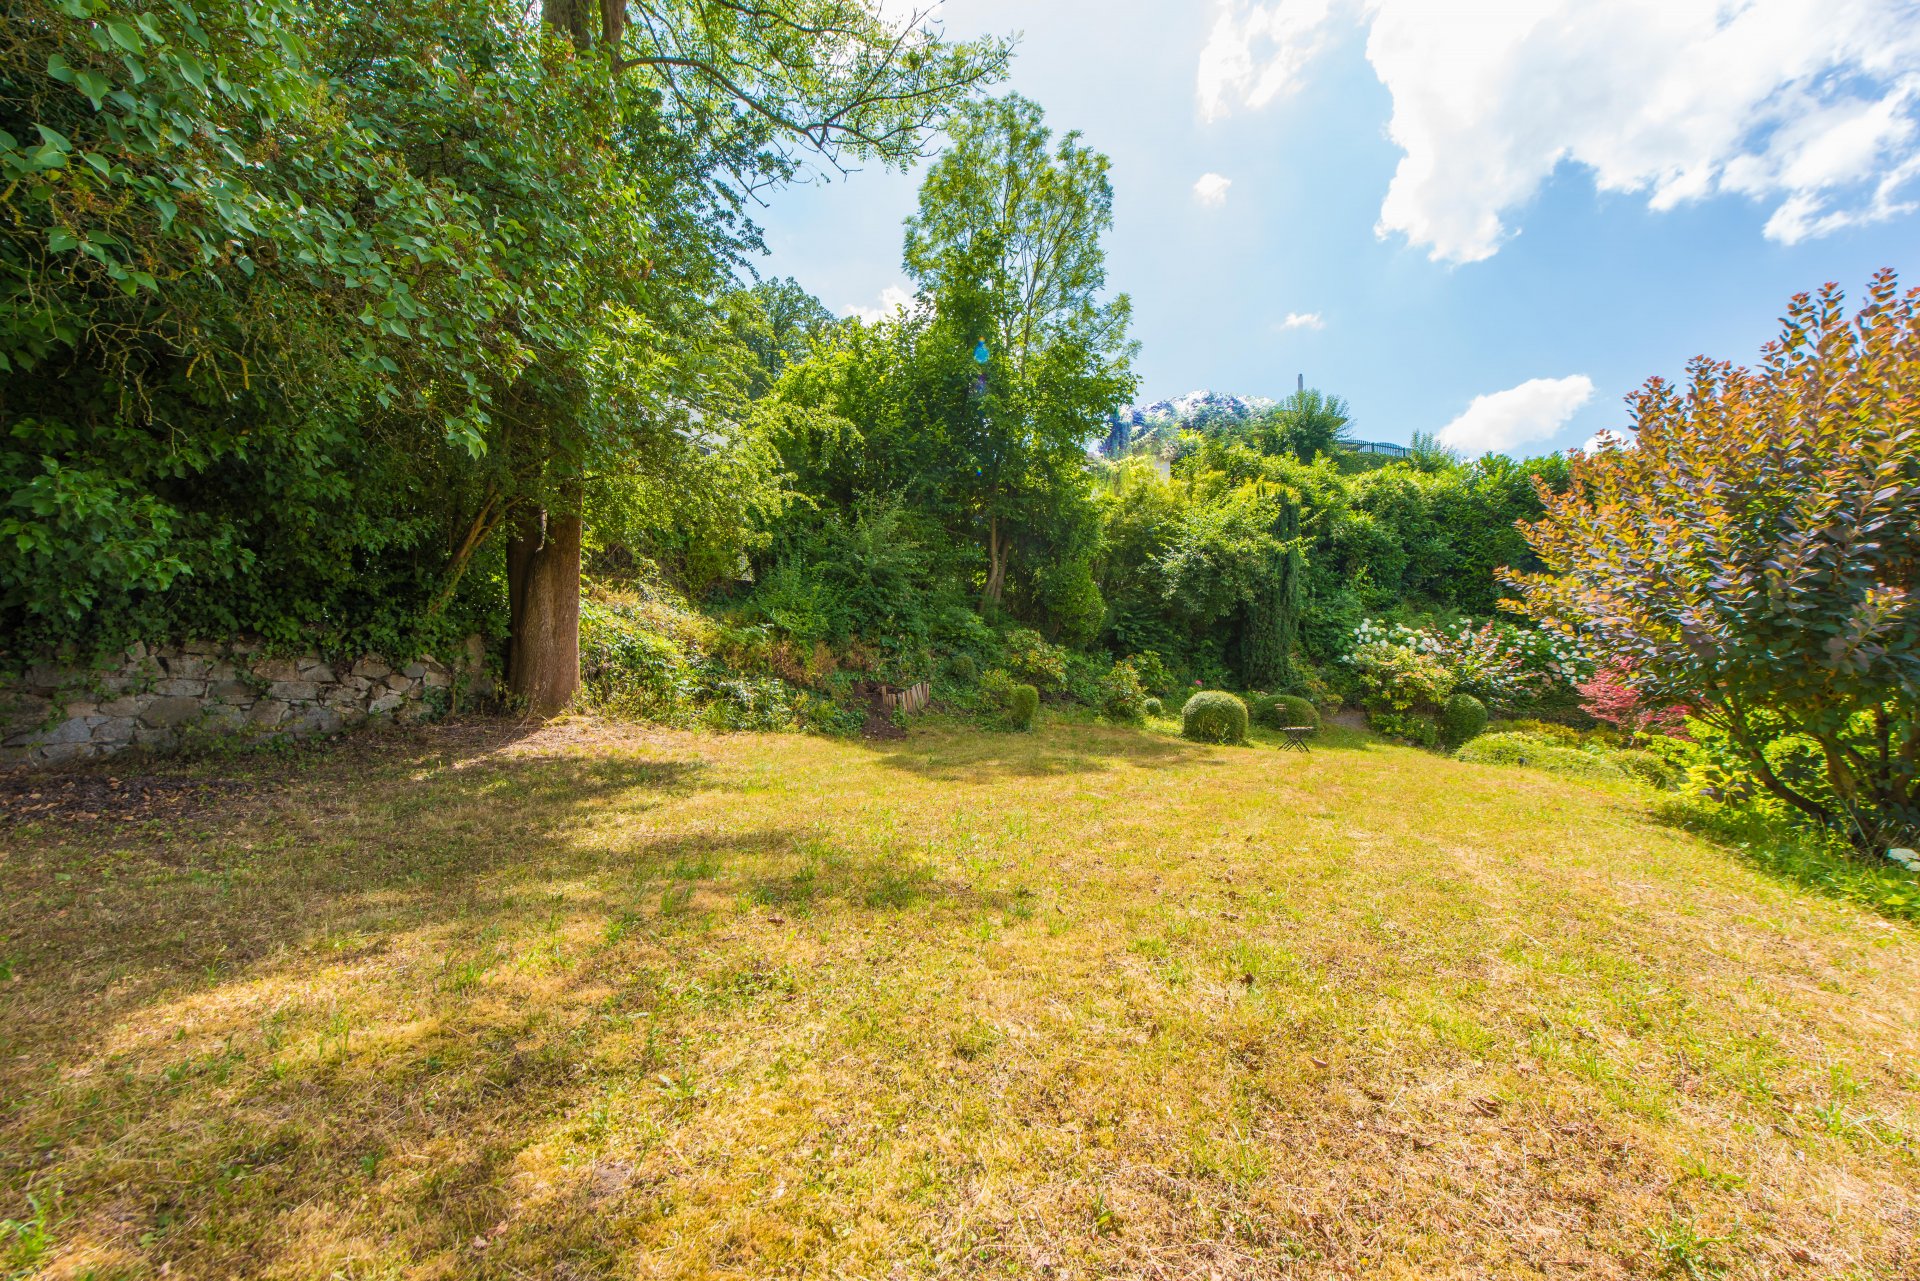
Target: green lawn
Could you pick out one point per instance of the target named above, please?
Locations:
(596, 1001)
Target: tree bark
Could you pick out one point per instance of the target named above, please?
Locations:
(996, 567)
(543, 607)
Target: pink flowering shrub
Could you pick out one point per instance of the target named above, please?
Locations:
(1613, 696)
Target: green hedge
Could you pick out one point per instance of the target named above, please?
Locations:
(1519, 749)
(1291, 712)
(1214, 716)
(1023, 702)
(1462, 720)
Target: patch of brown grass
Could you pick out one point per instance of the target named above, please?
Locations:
(597, 1001)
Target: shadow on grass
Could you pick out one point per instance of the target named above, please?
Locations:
(376, 829)
(336, 1017)
(1331, 738)
(1054, 747)
(1803, 859)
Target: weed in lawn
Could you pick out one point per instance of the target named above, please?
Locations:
(1684, 1251)
(26, 1241)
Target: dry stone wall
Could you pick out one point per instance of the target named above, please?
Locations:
(166, 696)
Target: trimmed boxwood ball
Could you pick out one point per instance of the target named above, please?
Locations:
(962, 669)
(1214, 716)
(1023, 701)
(1290, 711)
(1154, 707)
(1462, 720)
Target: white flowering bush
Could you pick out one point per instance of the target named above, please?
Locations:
(1505, 666)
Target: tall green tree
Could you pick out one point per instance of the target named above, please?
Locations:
(1006, 244)
(377, 284)
(221, 292)
(1308, 424)
(749, 91)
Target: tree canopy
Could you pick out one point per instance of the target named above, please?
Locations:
(1749, 552)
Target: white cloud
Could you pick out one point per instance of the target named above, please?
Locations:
(1607, 438)
(1303, 320)
(1256, 52)
(1812, 106)
(1211, 189)
(1503, 421)
(892, 298)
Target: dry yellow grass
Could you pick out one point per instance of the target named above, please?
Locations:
(596, 1001)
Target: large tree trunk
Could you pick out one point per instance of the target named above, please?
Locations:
(543, 548)
(543, 608)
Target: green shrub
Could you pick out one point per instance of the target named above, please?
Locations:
(1290, 711)
(1214, 716)
(1650, 769)
(1152, 706)
(1423, 731)
(1153, 672)
(1260, 709)
(1521, 749)
(1029, 655)
(1547, 731)
(1022, 703)
(962, 670)
(1121, 694)
(1013, 704)
(1397, 678)
(1462, 719)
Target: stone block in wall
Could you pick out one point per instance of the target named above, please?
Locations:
(277, 669)
(314, 720)
(22, 710)
(115, 731)
(386, 703)
(181, 688)
(165, 713)
(125, 705)
(371, 669)
(313, 669)
(75, 730)
(268, 713)
(186, 666)
(218, 718)
(232, 691)
(295, 691)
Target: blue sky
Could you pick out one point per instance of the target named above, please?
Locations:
(1489, 220)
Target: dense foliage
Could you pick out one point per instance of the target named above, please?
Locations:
(1752, 556)
(310, 303)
